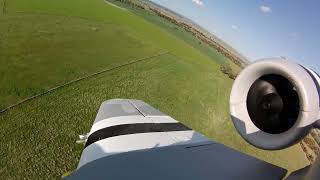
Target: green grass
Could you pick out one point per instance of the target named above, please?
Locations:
(39, 136)
(50, 50)
(177, 31)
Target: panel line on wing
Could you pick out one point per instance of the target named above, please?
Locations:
(136, 108)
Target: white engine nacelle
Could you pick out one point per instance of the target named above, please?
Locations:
(274, 103)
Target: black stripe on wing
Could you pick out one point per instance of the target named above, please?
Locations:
(127, 129)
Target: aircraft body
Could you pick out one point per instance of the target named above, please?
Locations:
(272, 105)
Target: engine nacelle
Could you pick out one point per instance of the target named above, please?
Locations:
(274, 103)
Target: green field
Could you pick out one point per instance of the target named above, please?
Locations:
(177, 31)
(46, 43)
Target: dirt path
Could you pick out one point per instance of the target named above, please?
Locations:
(4, 7)
(111, 4)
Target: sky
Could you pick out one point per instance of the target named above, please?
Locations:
(260, 28)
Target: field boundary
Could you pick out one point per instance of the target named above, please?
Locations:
(80, 79)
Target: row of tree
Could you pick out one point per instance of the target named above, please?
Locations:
(226, 69)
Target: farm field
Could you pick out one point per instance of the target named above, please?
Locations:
(44, 44)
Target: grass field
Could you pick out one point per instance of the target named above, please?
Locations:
(61, 49)
(45, 43)
(177, 31)
(180, 33)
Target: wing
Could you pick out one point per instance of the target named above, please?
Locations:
(124, 125)
(131, 140)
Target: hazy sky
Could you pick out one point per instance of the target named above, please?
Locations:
(260, 29)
